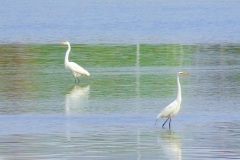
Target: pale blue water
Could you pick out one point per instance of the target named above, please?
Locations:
(111, 114)
(126, 21)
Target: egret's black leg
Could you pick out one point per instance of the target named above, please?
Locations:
(156, 122)
(170, 123)
(78, 79)
(164, 123)
(75, 80)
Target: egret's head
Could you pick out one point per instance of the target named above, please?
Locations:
(183, 73)
(64, 43)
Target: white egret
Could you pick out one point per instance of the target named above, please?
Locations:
(173, 108)
(76, 70)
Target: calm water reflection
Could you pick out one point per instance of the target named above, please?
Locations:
(171, 145)
(77, 100)
(111, 114)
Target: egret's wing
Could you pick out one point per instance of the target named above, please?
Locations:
(168, 110)
(77, 69)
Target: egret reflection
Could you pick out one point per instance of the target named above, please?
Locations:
(76, 101)
(170, 143)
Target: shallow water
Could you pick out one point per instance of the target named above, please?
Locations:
(111, 114)
(133, 50)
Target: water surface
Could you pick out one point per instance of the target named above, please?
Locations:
(126, 21)
(111, 114)
(133, 50)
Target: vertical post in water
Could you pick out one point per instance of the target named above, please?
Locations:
(137, 69)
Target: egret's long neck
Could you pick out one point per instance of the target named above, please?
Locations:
(67, 54)
(179, 95)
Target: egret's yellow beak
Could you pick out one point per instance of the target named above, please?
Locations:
(64, 43)
(185, 73)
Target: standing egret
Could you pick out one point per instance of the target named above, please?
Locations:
(76, 70)
(173, 108)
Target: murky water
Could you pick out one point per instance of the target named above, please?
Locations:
(111, 114)
(133, 50)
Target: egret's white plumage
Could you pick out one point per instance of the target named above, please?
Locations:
(173, 108)
(76, 70)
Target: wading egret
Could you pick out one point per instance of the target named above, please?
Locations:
(173, 108)
(76, 70)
